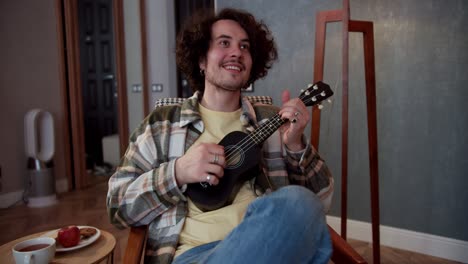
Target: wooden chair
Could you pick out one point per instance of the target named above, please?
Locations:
(342, 251)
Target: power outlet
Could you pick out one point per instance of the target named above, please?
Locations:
(156, 87)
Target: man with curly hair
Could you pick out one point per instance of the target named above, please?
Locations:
(277, 214)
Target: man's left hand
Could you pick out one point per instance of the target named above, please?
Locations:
(296, 112)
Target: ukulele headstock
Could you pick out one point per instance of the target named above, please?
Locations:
(315, 93)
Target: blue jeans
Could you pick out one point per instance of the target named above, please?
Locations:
(286, 226)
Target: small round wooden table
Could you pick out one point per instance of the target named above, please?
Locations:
(99, 250)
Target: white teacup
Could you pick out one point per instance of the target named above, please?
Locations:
(40, 250)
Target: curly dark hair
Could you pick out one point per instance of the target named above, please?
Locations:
(193, 43)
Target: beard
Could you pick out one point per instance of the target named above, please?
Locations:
(226, 82)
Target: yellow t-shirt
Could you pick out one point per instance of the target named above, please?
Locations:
(205, 227)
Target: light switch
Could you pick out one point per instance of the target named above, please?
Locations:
(156, 87)
(136, 88)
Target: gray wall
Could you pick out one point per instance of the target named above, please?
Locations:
(133, 62)
(29, 79)
(421, 52)
(160, 36)
(160, 25)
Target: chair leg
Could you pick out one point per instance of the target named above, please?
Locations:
(342, 251)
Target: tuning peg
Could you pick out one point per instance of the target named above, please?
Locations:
(314, 99)
(320, 107)
(315, 87)
(329, 101)
(307, 92)
(309, 85)
(323, 93)
(302, 90)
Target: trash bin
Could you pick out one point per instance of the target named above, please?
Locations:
(39, 146)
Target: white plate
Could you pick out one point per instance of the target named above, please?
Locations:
(83, 242)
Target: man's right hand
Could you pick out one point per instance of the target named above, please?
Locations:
(202, 163)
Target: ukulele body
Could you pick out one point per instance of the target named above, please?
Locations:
(241, 165)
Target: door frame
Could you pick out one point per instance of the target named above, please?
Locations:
(71, 88)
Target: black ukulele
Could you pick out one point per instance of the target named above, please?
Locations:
(242, 153)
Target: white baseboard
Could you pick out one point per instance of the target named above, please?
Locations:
(442, 247)
(10, 198)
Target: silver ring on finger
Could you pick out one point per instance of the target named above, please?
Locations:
(215, 159)
(206, 183)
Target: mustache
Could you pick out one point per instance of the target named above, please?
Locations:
(235, 62)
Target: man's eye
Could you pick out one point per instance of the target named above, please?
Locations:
(224, 43)
(245, 47)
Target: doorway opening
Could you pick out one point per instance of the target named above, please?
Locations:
(94, 70)
(99, 88)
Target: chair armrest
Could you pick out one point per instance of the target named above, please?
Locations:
(342, 251)
(135, 244)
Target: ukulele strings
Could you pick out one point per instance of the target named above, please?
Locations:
(251, 140)
(248, 142)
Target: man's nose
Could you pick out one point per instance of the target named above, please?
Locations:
(235, 51)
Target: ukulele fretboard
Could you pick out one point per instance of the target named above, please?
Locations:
(267, 129)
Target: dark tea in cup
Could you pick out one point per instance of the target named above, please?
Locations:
(40, 250)
(33, 247)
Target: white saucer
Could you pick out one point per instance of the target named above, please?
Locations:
(83, 242)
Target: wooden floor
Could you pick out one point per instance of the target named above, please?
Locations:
(88, 207)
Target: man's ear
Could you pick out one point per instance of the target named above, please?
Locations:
(202, 64)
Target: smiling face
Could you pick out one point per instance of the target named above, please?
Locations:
(228, 61)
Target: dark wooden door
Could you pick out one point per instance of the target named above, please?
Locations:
(98, 79)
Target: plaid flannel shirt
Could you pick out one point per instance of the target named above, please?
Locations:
(143, 190)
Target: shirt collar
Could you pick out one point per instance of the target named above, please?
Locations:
(190, 113)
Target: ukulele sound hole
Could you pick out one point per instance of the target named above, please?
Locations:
(234, 157)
